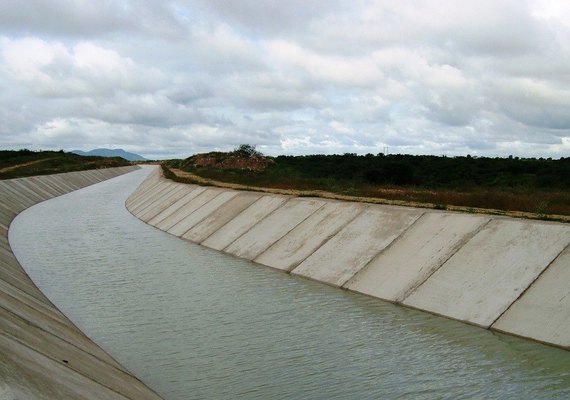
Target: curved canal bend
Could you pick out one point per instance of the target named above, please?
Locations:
(195, 323)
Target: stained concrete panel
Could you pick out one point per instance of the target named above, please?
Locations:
(78, 360)
(158, 200)
(162, 191)
(163, 203)
(309, 235)
(28, 374)
(208, 208)
(543, 311)
(418, 253)
(273, 227)
(146, 194)
(144, 187)
(188, 209)
(356, 244)
(50, 323)
(191, 193)
(221, 216)
(244, 221)
(479, 282)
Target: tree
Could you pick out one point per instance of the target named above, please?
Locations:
(247, 150)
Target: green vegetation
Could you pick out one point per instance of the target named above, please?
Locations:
(21, 163)
(540, 186)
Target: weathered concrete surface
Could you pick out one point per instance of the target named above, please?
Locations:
(159, 192)
(273, 227)
(221, 216)
(201, 213)
(417, 254)
(203, 196)
(479, 282)
(191, 214)
(356, 244)
(161, 204)
(543, 311)
(244, 221)
(42, 354)
(161, 197)
(467, 267)
(191, 192)
(309, 235)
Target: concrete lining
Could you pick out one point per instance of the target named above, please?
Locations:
(162, 204)
(356, 244)
(221, 216)
(176, 223)
(157, 200)
(473, 268)
(272, 228)
(243, 222)
(43, 355)
(191, 193)
(201, 213)
(479, 282)
(416, 255)
(309, 235)
(543, 311)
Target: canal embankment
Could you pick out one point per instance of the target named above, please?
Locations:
(504, 274)
(43, 355)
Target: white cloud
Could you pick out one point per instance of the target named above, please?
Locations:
(173, 78)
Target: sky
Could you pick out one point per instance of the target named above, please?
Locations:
(168, 79)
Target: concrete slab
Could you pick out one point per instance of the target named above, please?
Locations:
(21, 283)
(244, 221)
(543, 311)
(151, 180)
(158, 198)
(309, 235)
(9, 194)
(204, 211)
(32, 187)
(417, 254)
(188, 209)
(356, 244)
(191, 193)
(51, 324)
(479, 282)
(221, 216)
(163, 189)
(28, 374)
(273, 227)
(163, 203)
(158, 185)
(43, 183)
(84, 363)
(21, 296)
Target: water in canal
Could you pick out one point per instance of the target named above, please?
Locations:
(197, 324)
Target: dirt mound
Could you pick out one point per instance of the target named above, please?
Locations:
(229, 161)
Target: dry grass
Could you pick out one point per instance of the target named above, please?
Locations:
(546, 206)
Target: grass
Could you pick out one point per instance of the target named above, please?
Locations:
(22, 163)
(553, 206)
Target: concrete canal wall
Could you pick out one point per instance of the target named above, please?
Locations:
(42, 354)
(499, 273)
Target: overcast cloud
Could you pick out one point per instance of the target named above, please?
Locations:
(172, 78)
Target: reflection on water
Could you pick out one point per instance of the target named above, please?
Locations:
(194, 323)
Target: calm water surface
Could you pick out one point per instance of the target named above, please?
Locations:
(197, 324)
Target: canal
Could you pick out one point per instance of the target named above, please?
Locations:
(194, 323)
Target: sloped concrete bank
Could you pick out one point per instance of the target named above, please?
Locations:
(498, 273)
(43, 355)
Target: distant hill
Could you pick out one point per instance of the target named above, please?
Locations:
(111, 153)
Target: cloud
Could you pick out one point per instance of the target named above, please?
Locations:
(173, 78)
